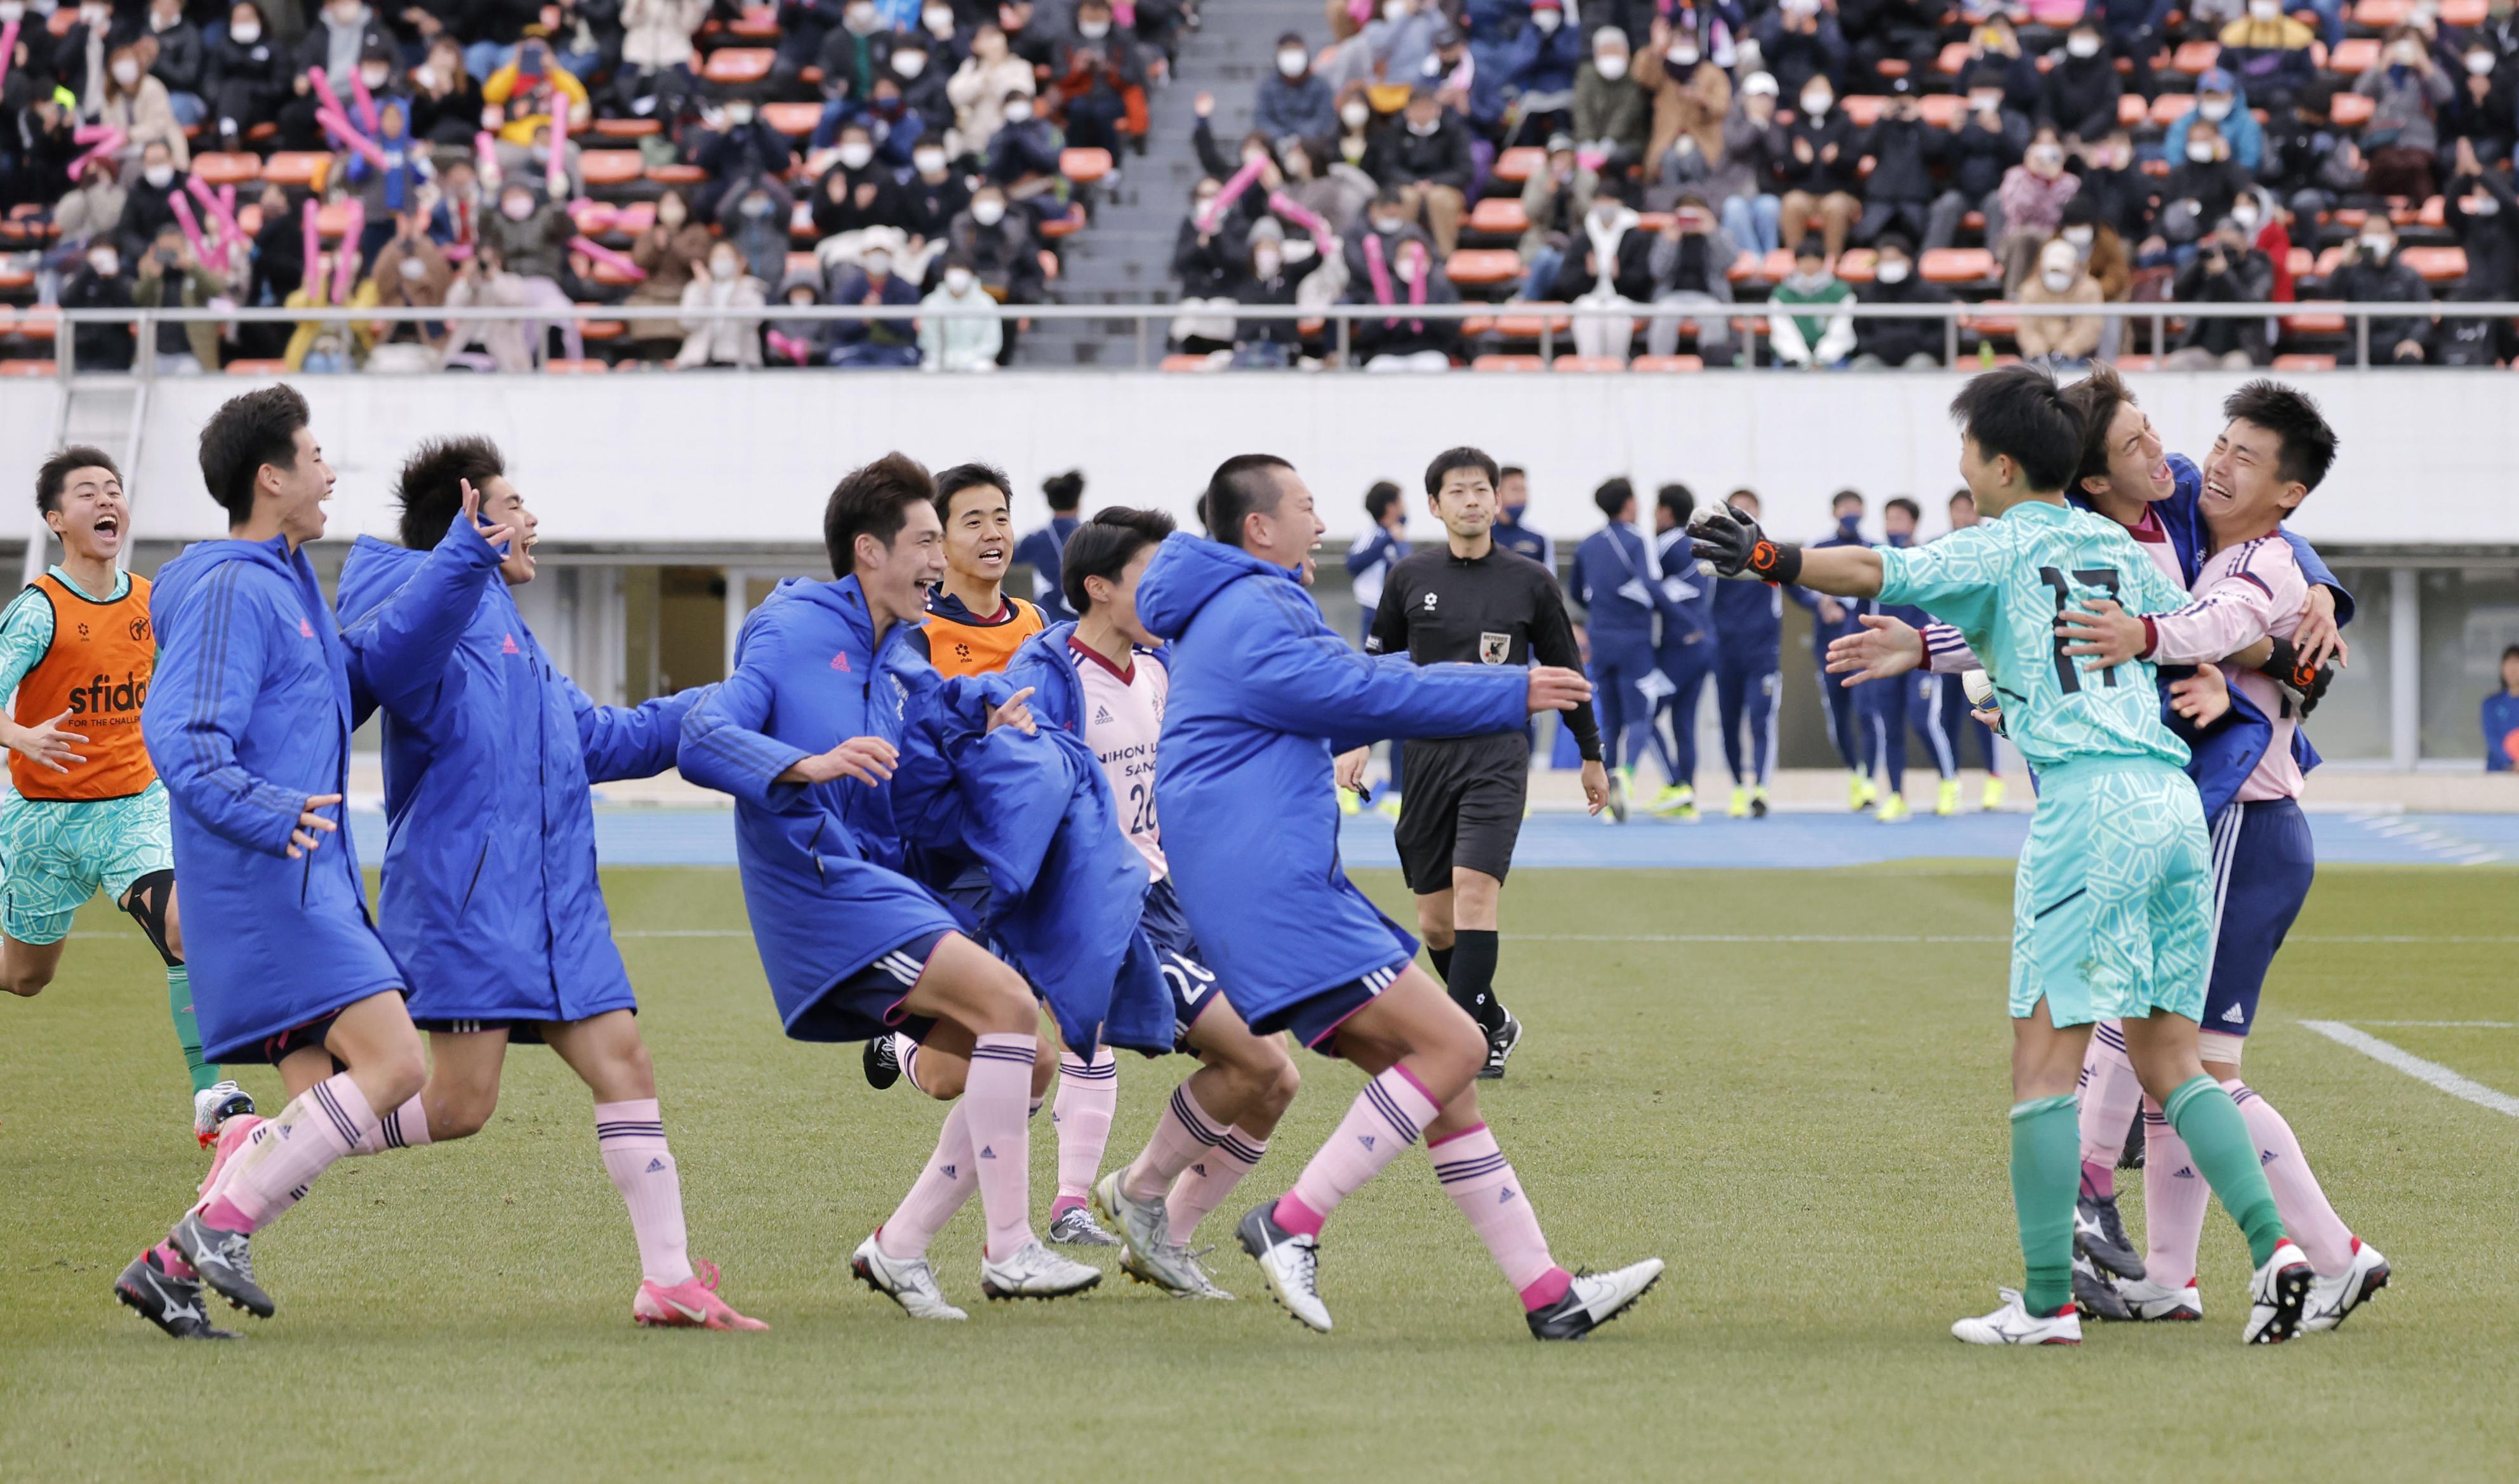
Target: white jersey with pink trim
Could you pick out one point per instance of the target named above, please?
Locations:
(2244, 594)
(1124, 717)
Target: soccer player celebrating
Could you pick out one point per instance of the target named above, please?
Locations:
(1470, 601)
(1613, 576)
(2112, 907)
(1748, 666)
(248, 723)
(1263, 694)
(1104, 678)
(852, 948)
(973, 625)
(86, 809)
(2274, 451)
(491, 899)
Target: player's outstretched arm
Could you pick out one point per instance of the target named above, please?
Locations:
(1883, 648)
(631, 741)
(1302, 679)
(724, 746)
(1739, 549)
(399, 649)
(198, 711)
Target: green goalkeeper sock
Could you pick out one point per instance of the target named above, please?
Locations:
(2045, 1176)
(2216, 1134)
(179, 1003)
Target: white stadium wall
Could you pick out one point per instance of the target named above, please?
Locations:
(690, 461)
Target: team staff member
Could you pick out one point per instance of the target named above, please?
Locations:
(1513, 499)
(1748, 666)
(1613, 576)
(973, 625)
(1830, 621)
(1471, 602)
(1686, 654)
(1044, 549)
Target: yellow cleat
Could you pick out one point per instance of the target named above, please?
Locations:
(1676, 800)
(1893, 808)
(1388, 808)
(1993, 799)
(1947, 801)
(1860, 793)
(1740, 808)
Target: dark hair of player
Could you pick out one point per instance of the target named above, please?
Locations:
(1614, 494)
(1679, 499)
(431, 488)
(2020, 413)
(2308, 443)
(967, 476)
(1379, 500)
(1240, 485)
(1841, 497)
(2093, 402)
(244, 434)
(1510, 471)
(55, 475)
(1461, 458)
(1103, 548)
(1914, 510)
(1956, 496)
(872, 501)
(1064, 492)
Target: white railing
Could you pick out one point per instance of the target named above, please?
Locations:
(1341, 319)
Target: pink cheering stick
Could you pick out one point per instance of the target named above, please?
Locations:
(108, 142)
(366, 101)
(1231, 193)
(221, 206)
(324, 93)
(8, 48)
(345, 257)
(486, 150)
(602, 254)
(338, 126)
(191, 226)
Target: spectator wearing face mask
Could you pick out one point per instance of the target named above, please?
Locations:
(345, 32)
(722, 283)
(987, 81)
(2081, 91)
(847, 38)
(1392, 47)
(1903, 150)
(180, 60)
(149, 203)
(2060, 340)
(916, 73)
(1801, 330)
(445, 102)
(2269, 52)
(1272, 279)
(746, 149)
(857, 192)
(674, 244)
(93, 209)
(1386, 219)
(796, 341)
(1800, 41)
(2133, 31)
(1407, 279)
(888, 343)
(2406, 93)
(2371, 272)
(1613, 115)
(2199, 190)
(1989, 140)
(2219, 103)
(127, 98)
(2034, 194)
(1336, 192)
(412, 273)
(1293, 101)
(1538, 66)
(1898, 344)
(755, 220)
(2119, 192)
(389, 189)
(2100, 247)
(998, 244)
(1554, 201)
(1097, 83)
(1608, 264)
(1816, 162)
(1256, 149)
(958, 343)
(170, 278)
(1995, 47)
(656, 47)
(2484, 106)
(2224, 270)
(1691, 98)
(1426, 158)
(527, 92)
(483, 281)
(1688, 262)
(1023, 158)
(948, 40)
(934, 195)
(2482, 210)
(99, 283)
(246, 76)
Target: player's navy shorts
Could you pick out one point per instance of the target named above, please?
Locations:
(867, 1003)
(1176, 952)
(275, 1049)
(1462, 807)
(2263, 862)
(520, 1031)
(1315, 1020)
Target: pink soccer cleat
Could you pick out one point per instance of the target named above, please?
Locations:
(232, 1137)
(688, 1305)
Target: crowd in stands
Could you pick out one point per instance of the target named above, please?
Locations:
(1687, 158)
(614, 161)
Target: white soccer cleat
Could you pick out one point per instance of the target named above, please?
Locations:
(213, 1105)
(2158, 1301)
(1147, 1251)
(1593, 1299)
(907, 1281)
(1290, 1264)
(1033, 1270)
(2015, 1324)
(2331, 1301)
(2278, 1294)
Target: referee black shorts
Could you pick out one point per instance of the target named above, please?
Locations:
(1461, 807)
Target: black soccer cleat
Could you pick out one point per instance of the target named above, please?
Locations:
(2099, 1231)
(882, 1063)
(2131, 1156)
(1500, 1044)
(225, 1261)
(1593, 1299)
(2094, 1294)
(171, 1303)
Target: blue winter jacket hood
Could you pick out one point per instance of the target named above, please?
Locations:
(1262, 695)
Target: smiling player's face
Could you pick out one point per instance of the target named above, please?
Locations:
(91, 517)
(979, 539)
(2138, 460)
(298, 493)
(2244, 492)
(502, 505)
(896, 576)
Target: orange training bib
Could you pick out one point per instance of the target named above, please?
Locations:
(98, 671)
(958, 648)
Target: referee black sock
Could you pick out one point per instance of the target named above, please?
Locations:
(1472, 981)
(1443, 958)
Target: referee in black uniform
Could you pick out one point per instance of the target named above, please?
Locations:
(1470, 601)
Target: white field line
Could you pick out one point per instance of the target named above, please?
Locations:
(2453, 1024)
(2412, 1066)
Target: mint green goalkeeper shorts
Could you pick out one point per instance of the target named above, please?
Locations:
(58, 853)
(2112, 905)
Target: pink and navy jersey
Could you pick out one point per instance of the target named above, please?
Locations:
(2246, 593)
(1123, 718)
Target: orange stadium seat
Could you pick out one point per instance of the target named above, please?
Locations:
(1520, 164)
(1587, 364)
(2355, 57)
(1498, 363)
(1084, 166)
(2437, 265)
(1499, 216)
(28, 367)
(2352, 111)
(257, 368)
(736, 65)
(793, 120)
(1478, 267)
(2196, 57)
(289, 167)
(217, 169)
(1666, 363)
(2304, 363)
(1957, 264)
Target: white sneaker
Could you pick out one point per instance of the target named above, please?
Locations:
(907, 1281)
(2013, 1325)
(1035, 1272)
(215, 1105)
(1290, 1263)
(1147, 1251)
(1593, 1299)
(2276, 1294)
(2332, 1299)
(2158, 1301)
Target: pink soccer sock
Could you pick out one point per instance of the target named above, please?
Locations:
(406, 1128)
(1384, 1119)
(1210, 1178)
(1183, 1133)
(2174, 1196)
(631, 1137)
(943, 1188)
(2111, 1095)
(1088, 1093)
(905, 1051)
(996, 1102)
(2298, 1197)
(1475, 1174)
(316, 1128)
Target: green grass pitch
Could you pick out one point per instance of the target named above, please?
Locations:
(1810, 1131)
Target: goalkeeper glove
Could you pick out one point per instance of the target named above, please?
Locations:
(1736, 548)
(2304, 685)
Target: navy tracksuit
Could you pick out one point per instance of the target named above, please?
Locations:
(1886, 710)
(1844, 727)
(1748, 662)
(1962, 728)
(1686, 654)
(1613, 581)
